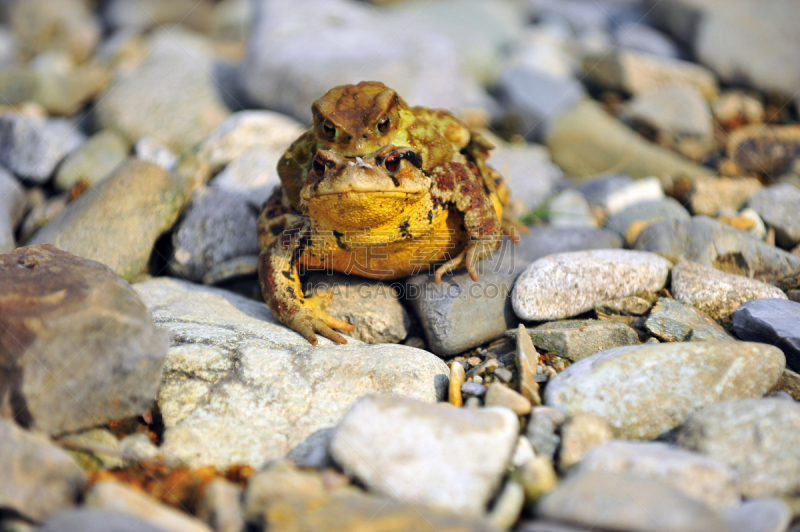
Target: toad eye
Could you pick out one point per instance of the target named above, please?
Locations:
(392, 162)
(384, 123)
(329, 130)
(319, 165)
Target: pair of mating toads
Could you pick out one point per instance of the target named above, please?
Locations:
(379, 189)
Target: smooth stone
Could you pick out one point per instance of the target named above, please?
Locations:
(630, 389)
(92, 162)
(543, 241)
(245, 130)
(528, 171)
(716, 293)
(523, 452)
(65, 93)
(537, 98)
(255, 171)
(631, 220)
(695, 475)
(638, 504)
(460, 314)
(507, 506)
(220, 507)
(579, 435)
(141, 15)
(763, 514)
(13, 205)
(138, 448)
(232, 363)
(80, 347)
(779, 206)
(96, 521)
(542, 430)
(736, 107)
(771, 321)
(789, 383)
(527, 361)
(710, 197)
(150, 150)
(538, 478)
(42, 211)
(567, 284)
(625, 306)
(246, 265)
(474, 389)
(373, 308)
(578, 339)
(32, 147)
(639, 73)
(112, 496)
(387, 441)
(643, 189)
(216, 226)
(118, 221)
(39, 478)
(83, 444)
(672, 321)
(757, 438)
(502, 396)
(598, 190)
(569, 209)
(646, 39)
(587, 141)
(313, 451)
(714, 244)
(279, 480)
(41, 25)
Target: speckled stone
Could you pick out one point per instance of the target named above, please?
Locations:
(716, 293)
(577, 339)
(672, 321)
(567, 284)
(388, 441)
(631, 388)
(756, 437)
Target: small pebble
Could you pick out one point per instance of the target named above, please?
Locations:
(473, 389)
(503, 374)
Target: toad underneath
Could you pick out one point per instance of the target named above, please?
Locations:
(385, 214)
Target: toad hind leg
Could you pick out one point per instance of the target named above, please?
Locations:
(282, 290)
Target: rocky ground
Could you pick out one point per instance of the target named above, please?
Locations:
(630, 366)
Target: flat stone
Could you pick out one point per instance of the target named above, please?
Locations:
(567, 284)
(13, 205)
(116, 497)
(763, 514)
(696, 476)
(543, 241)
(473, 388)
(118, 221)
(502, 396)
(624, 306)
(716, 293)
(587, 141)
(92, 162)
(720, 246)
(579, 435)
(80, 348)
(39, 479)
(41, 25)
(643, 189)
(771, 321)
(672, 321)
(387, 443)
(32, 147)
(778, 206)
(711, 197)
(639, 504)
(629, 387)
(569, 209)
(240, 388)
(96, 521)
(577, 339)
(757, 438)
(631, 220)
(217, 226)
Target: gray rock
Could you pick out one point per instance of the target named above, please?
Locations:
(80, 349)
(755, 437)
(579, 435)
(289, 40)
(771, 321)
(41, 25)
(736, 107)
(577, 339)
(644, 189)
(39, 479)
(597, 190)
(778, 206)
(244, 266)
(32, 147)
(696, 476)
(387, 443)
(741, 41)
(93, 161)
(313, 451)
(96, 521)
(459, 313)
(217, 226)
(255, 171)
(629, 388)
(220, 506)
(141, 15)
(542, 430)
(116, 497)
(631, 220)
(118, 221)
(716, 293)
(588, 141)
(643, 38)
(720, 246)
(528, 171)
(536, 99)
(239, 388)
(639, 504)
(13, 205)
(569, 209)
(474, 389)
(672, 321)
(543, 241)
(567, 284)
(764, 514)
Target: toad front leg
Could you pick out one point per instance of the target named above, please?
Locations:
(457, 187)
(281, 287)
